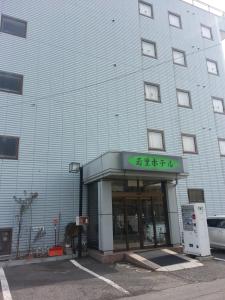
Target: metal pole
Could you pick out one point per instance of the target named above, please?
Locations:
(80, 213)
(55, 234)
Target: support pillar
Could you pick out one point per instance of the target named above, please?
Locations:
(173, 215)
(105, 217)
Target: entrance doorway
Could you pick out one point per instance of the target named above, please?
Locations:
(140, 218)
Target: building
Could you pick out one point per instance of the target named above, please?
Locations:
(134, 91)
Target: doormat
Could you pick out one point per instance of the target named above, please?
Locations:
(161, 258)
(168, 260)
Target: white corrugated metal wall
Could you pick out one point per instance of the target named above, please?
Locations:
(83, 95)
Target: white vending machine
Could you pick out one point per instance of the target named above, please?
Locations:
(195, 230)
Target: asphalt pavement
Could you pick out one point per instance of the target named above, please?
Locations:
(90, 280)
(205, 291)
(62, 280)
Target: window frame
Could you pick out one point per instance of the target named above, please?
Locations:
(14, 19)
(190, 101)
(148, 4)
(163, 140)
(211, 33)
(196, 189)
(17, 148)
(217, 68)
(180, 51)
(18, 76)
(195, 143)
(155, 48)
(221, 140)
(175, 15)
(222, 100)
(159, 92)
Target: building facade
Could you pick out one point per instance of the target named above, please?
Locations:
(83, 79)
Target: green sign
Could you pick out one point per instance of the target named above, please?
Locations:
(155, 163)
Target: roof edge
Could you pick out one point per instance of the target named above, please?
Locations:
(204, 6)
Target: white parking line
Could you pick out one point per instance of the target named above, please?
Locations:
(220, 259)
(5, 287)
(110, 282)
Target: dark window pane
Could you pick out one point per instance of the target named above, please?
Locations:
(213, 222)
(13, 26)
(196, 195)
(10, 82)
(9, 147)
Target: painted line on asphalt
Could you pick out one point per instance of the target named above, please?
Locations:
(108, 281)
(5, 287)
(220, 259)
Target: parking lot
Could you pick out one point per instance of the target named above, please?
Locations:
(218, 254)
(92, 280)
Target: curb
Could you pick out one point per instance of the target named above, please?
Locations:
(13, 263)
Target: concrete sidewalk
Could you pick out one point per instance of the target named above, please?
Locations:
(214, 290)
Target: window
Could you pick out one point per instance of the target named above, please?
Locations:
(213, 222)
(9, 147)
(183, 98)
(149, 48)
(152, 92)
(189, 143)
(156, 140)
(212, 67)
(11, 83)
(13, 26)
(222, 146)
(175, 20)
(196, 195)
(179, 57)
(218, 105)
(145, 9)
(206, 32)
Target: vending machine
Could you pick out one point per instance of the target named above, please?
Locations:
(195, 230)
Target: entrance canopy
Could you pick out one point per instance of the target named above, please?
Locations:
(133, 165)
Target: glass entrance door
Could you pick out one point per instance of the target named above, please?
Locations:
(140, 218)
(119, 227)
(160, 221)
(154, 222)
(148, 224)
(133, 223)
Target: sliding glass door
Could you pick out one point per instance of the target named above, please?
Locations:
(140, 219)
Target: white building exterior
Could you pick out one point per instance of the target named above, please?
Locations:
(82, 78)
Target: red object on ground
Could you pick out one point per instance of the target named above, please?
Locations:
(55, 251)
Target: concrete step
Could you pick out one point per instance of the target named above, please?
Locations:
(161, 260)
